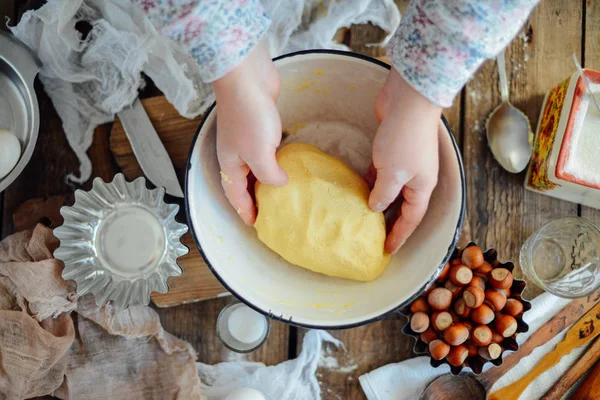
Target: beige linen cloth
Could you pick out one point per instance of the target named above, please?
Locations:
(90, 353)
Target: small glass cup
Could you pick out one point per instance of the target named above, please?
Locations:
(245, 322)
(562, 257)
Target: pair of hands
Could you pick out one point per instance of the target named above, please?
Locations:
(405, 149)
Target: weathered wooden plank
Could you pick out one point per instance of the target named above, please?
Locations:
(366, 349)
(502, 214)
(8, 10)
(591, 60)
(197, 323)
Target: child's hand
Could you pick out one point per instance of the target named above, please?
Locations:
(248, 129)
(405, 156)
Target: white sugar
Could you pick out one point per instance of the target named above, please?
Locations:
(584, 155)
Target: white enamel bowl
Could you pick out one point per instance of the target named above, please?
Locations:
(321, 91)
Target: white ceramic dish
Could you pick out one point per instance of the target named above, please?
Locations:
(327, 99)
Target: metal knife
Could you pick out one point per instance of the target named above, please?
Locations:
(148, 149)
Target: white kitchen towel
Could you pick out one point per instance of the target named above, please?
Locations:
(291, 380)
(89, 79)
(406, 380)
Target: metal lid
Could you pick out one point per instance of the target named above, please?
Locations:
(120, 241)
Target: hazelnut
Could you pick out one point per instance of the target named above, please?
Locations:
(501, 278)
(491, 352)
(455, 261)
(455, 318)
(461, 308)
(429, 335)
(438, 349)
(505, 292)
(473, 349)
(484, 270)
(468, 324)
(481, 335)
(441, 320)
(419, 322)
(455, 290)
(419, 304)
(513, 307)
(482, 315)
(439, 298)
(497, 338)
(460, 275)
(506, 325)
(472, 257)
(428, 290)
(457, 355)
(473, 296)
(495, 300)
(444, 274)
(478, 281)
(456, 334)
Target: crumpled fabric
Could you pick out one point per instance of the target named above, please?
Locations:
(91, 353)
(290, 380)
(89, 79)
(110, 353)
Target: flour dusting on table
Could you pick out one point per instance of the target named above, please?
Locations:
(340, 139)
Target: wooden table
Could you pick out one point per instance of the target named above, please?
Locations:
(500, 212)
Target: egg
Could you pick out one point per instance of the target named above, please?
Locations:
(245, 394)
(10, 152)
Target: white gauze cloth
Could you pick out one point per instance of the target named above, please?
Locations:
(291, 380)
(90, 79)
(407, 380)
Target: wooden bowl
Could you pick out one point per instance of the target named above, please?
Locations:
(476, 363)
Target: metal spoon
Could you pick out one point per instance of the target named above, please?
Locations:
(471, 387)
(508, 131)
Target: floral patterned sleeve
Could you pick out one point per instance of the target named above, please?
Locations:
(440, 43)
(217, 33)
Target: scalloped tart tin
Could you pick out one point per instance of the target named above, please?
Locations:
(120, 241)
(476, 363)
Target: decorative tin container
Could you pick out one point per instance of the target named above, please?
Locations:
(565, 163)
(120, 241)
(477, 363)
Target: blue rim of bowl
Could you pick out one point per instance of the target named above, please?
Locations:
(387, 313)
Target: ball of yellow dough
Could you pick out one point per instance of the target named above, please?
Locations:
(320, 219)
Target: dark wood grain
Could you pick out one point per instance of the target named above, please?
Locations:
(577, 370)
(501, 213)
(196, 323)
(366, 348)
(590, 389)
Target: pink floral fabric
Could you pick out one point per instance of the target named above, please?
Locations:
(437, 47)
(217, 33)
(440, 43)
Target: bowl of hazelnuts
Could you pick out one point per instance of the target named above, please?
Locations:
(471, 314)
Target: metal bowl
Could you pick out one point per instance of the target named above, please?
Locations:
(19, 111)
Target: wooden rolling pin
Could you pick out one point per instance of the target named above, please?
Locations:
(590, 389)
(577, 370)
(583, 332)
